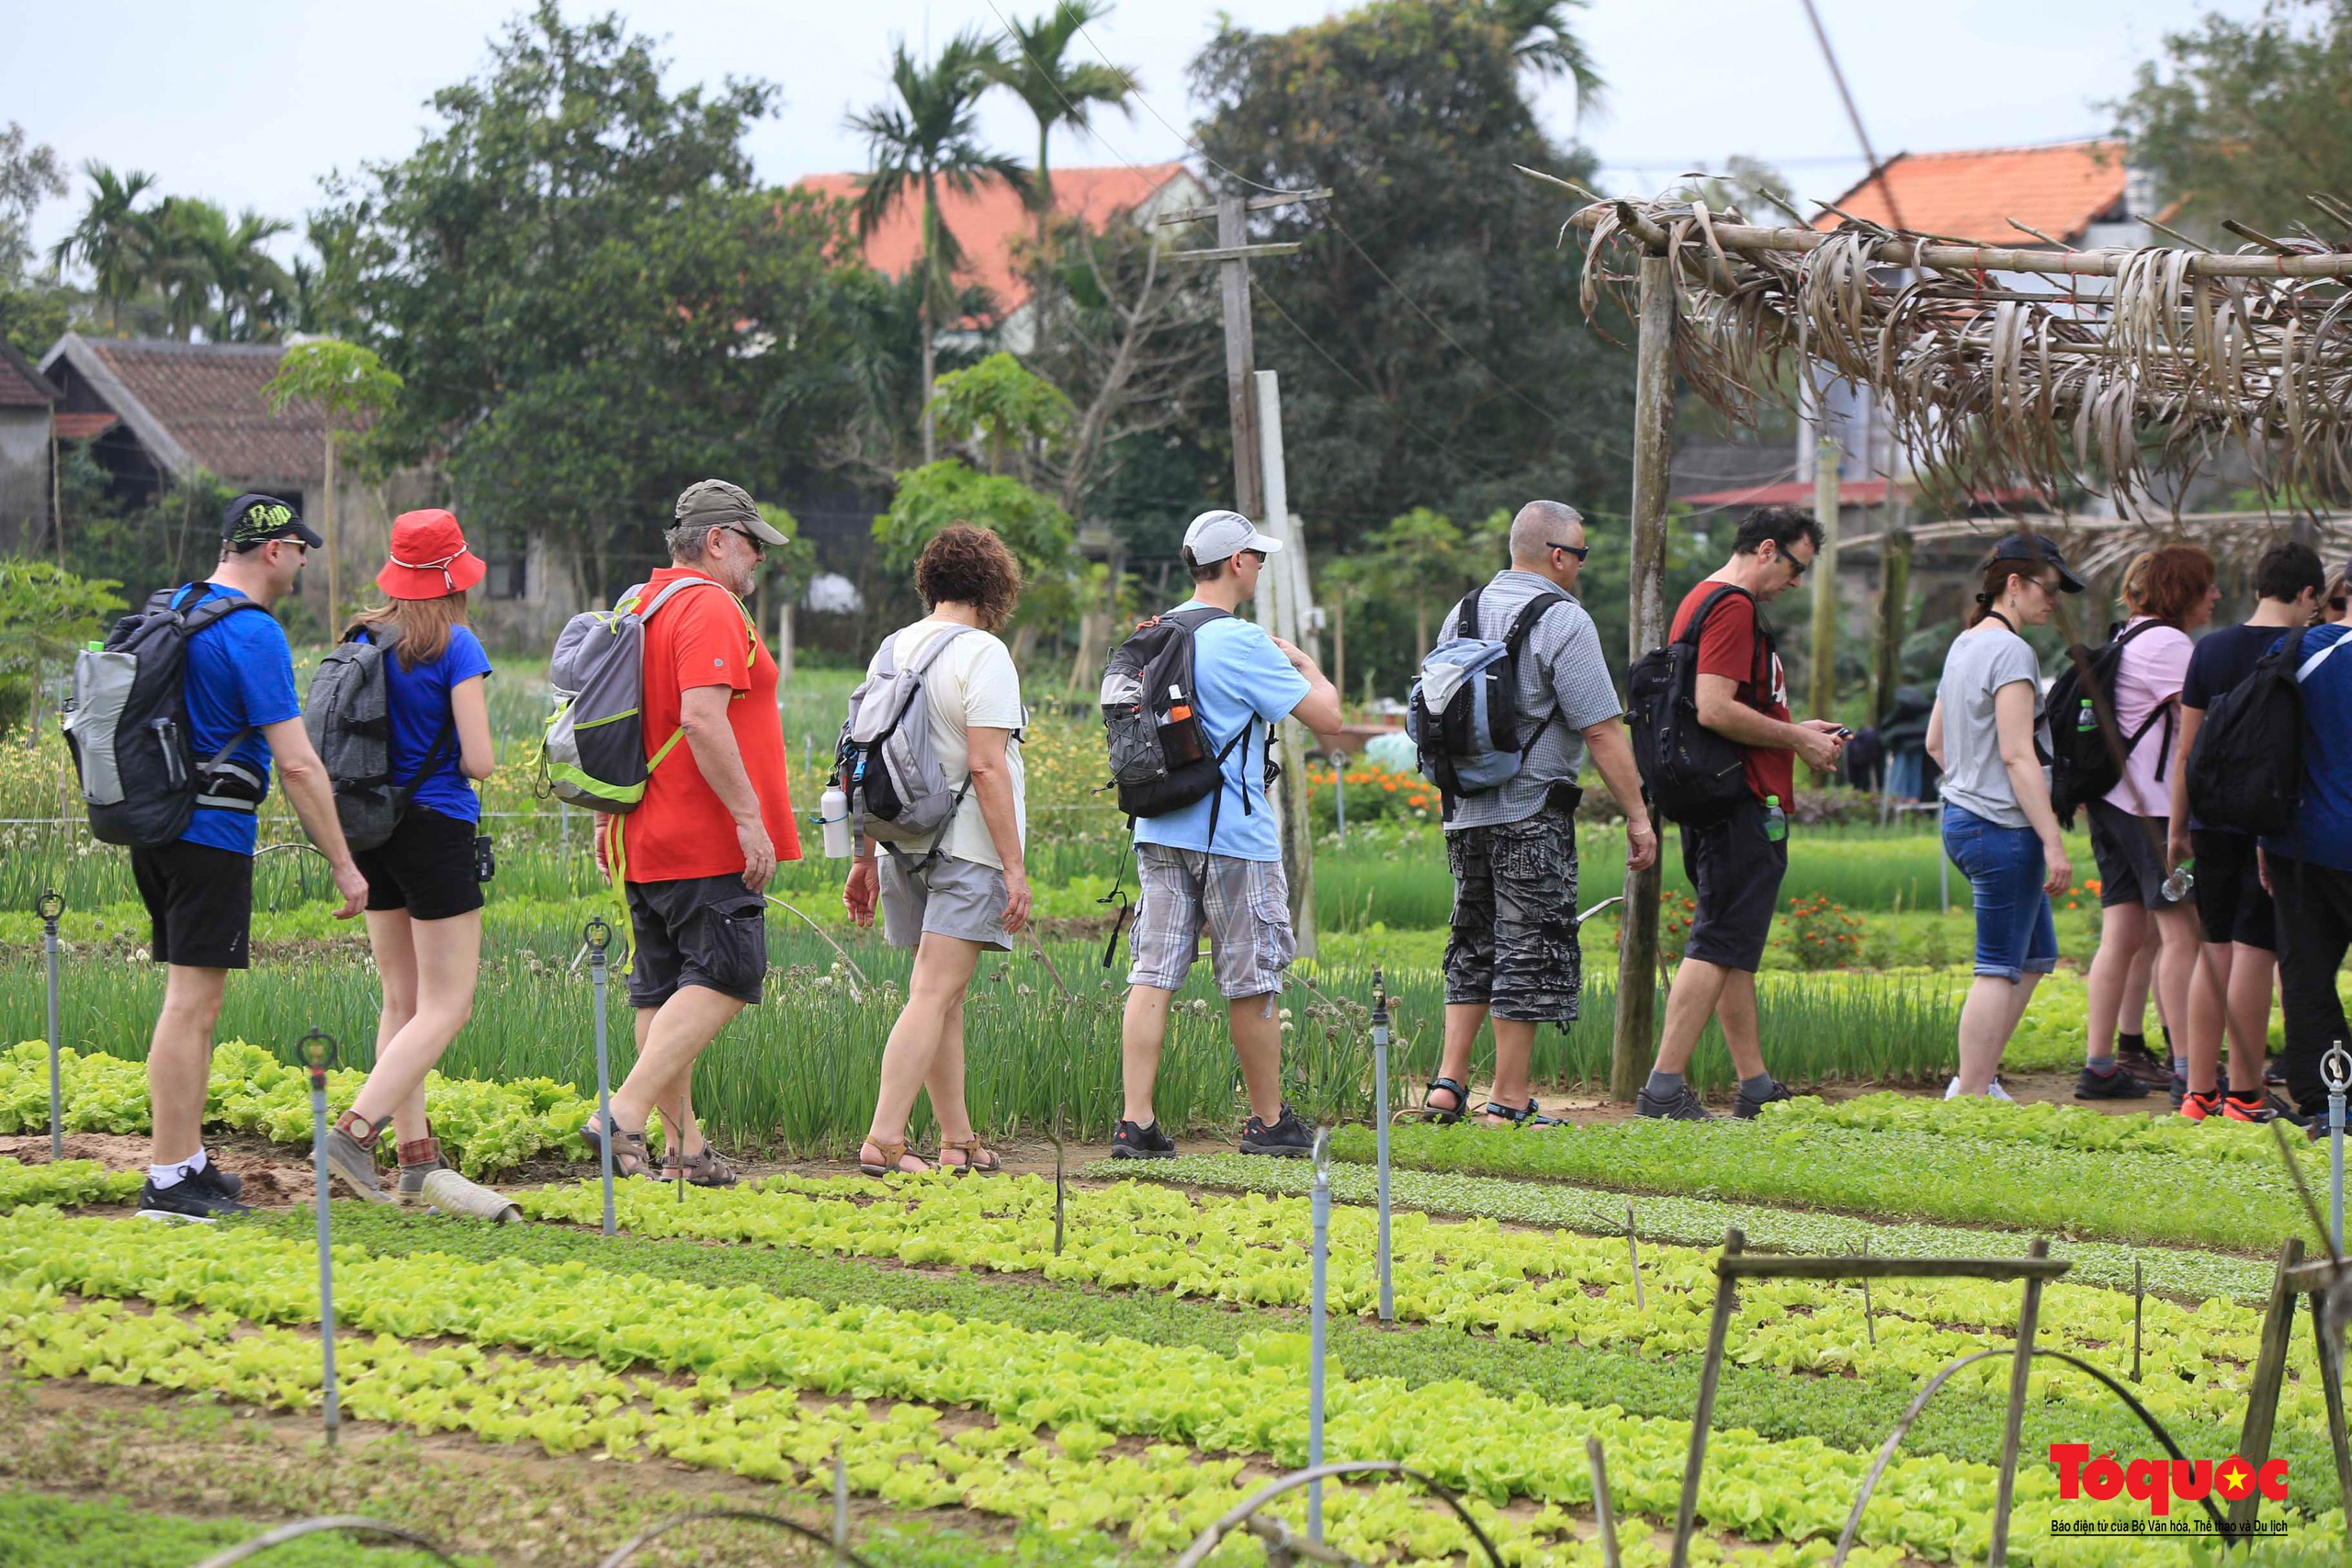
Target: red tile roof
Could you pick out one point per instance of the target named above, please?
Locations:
(21, 386)
(202, 404)
(81, 426)
(1971, 196)
(987, 221)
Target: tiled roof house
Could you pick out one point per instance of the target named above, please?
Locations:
(160, 411)
(26, 401)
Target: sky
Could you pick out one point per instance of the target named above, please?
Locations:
(255, 112)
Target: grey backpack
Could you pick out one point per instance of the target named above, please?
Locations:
(594, 751)
(897, 792)
(348, 713)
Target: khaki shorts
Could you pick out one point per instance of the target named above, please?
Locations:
(1245, 905)
(947, 896)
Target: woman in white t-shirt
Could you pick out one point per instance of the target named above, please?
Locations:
(2173, 594)
(1997, 824)
(966, 892)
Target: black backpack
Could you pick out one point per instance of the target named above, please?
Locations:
(1691, 774)
(128, 725)
(2246, 772)
(1163, 758)
(2087, 747)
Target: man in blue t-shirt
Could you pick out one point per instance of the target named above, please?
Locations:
(2309, 871)
(199, 889)
(1218, 863)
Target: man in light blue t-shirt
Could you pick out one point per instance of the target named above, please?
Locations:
(1218, 863)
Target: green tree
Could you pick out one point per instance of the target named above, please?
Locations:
(1429, 340)
(1038, 532)
(1008, 411)
(927, 139)
(113, 238)
(46, 613)
(29, 174)
(2246, 119)
(1542, 42)
(350, 383)
(1421, 558)
(591, 301)
(1058, 92)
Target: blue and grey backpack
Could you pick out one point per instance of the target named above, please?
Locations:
(1464, 716)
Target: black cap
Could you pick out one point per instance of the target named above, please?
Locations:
(2038, 548)
(254, 519)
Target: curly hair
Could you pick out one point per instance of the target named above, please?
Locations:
(2174, 584)
(963, 565)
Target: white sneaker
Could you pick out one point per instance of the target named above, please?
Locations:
(1995, 1091)
(1951, 1089)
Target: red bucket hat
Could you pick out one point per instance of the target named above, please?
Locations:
(429, 557)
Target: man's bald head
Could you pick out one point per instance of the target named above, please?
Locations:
(1539, 526)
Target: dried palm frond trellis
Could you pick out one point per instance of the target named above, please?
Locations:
(1999, 365)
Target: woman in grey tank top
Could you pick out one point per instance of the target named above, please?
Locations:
(1998, 825)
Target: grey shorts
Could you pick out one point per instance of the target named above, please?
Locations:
(950, 897)
(1245, 904)
(1513, 943)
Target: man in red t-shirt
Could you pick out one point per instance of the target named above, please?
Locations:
(1736, 866)
(717, 816)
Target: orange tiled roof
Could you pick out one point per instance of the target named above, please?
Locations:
(1971, 196)
(989, 221)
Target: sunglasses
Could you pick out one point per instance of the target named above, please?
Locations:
(759, 546)
(1580, 551)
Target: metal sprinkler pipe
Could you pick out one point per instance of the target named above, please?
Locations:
(319, 1053)
(2335, 1072)
(1380, 1136)
(1316, 1331)
(49, 906)
(599, 936)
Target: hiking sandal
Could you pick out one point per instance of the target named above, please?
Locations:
(1533, 1116)
(891, 1162)
(630, 1157)
(976, 1157)
(704, 1169)
(1437, 1115)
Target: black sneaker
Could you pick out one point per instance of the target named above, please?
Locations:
(2274, 1076)
(1747, 1109)
(1682, 1105)
(2113, 1084)
(198, 1195)
(1288, 1138)
(1131, 1142)
(2180, 1088)
(2134, 1057)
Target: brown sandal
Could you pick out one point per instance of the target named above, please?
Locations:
(976, 1157)
(630, 1157)
(704, 1169)
(889, 1164)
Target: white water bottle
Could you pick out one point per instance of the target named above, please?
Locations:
(833, 811)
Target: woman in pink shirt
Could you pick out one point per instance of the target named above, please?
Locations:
(2175, 593)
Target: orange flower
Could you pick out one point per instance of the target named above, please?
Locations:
(1390, 786)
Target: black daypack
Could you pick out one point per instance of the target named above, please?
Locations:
(2087, 746)
(1691, 774)
(128, 725)
(2246, 772)
(1163, 758)
(348, 714)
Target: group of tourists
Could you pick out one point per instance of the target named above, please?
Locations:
(929, 806)
(2212, 911)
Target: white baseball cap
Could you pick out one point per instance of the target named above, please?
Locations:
(1214, 535)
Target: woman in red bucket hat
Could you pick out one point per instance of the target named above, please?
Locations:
(424, 894)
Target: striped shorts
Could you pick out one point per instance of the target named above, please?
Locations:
(1245, 904)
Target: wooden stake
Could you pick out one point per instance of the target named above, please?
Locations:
(2020, 1366)
(1710, 1373)
(1240, 358)
(2269, 1375)
(1828, 459)
(2139, 1291)
(1634, 1251)
(1894, 618)
(1636, 1031)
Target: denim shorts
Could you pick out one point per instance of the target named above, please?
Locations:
(2015, 935)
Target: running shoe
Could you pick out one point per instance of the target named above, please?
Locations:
(2114, 1084)
(2134, 1057)
(2198, 1107)
(1131, 1142)
(2260, 1106)
(199, 1196)
(1747, 1109)
(1288, 1138)
(1682, 1105)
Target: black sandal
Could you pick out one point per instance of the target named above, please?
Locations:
(1437, 1115)
(1530, 1117)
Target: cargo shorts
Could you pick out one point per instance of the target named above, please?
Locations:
(1244, 904)
(1512, 945)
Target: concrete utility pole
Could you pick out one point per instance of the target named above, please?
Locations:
(1259, 493)
(1636, 1034)
(1827, 461)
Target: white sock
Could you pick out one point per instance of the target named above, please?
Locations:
(167, 1176)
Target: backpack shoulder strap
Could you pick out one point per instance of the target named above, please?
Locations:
(1465, 613)
(937, 646)
(1534, 612)
(1698, 622)
(2309, 667)
(215, 610)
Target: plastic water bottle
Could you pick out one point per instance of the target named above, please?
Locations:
(833, 811)
(1776, 821)
(2087, 721)
(2181, 883)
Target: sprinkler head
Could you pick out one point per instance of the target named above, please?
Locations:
(319, 1052)
(49, 905)
(597, 935)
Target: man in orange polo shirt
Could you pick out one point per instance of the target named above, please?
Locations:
(717, 816)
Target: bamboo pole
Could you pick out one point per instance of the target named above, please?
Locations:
(1827, 462)
(1637, 1031)
(1894, 616)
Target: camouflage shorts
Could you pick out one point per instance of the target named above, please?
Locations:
(1513, 945)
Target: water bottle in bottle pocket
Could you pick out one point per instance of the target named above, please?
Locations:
(833, 811)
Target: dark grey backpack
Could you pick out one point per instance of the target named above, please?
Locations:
(348, 714)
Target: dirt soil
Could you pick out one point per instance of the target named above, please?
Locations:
(270, 1180)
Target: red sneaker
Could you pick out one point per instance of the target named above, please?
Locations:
(2255, 1110)
(2197, 1107)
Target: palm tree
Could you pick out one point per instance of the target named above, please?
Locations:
(253, 289)
(1057, 93)
(928, 138)
(1542, 43)
(111, 240)
(183, 234)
